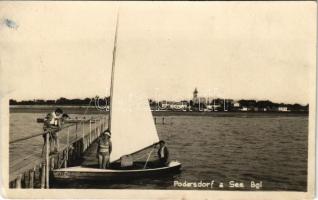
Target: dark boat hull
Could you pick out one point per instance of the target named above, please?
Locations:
(86, 173)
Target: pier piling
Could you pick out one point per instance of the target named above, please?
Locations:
(18, 181)
(43, 167)
(31, 178)
(47, 161)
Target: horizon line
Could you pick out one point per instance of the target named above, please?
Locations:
(181, 99)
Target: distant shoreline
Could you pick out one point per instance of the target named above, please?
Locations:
(93, 110)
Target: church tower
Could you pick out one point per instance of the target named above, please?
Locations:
(195, 95)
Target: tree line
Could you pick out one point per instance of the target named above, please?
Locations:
(228, 104)
(60, 101)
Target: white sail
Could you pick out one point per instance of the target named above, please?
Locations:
(131, 123)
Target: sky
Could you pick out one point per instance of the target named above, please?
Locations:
(238, 50)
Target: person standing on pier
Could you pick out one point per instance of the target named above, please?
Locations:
(104, 150)
(52, 124)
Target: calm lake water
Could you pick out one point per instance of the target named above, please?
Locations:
(239, 147)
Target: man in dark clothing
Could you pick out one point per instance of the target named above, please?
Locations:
(163, 153)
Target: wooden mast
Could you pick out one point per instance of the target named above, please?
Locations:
(112, 74)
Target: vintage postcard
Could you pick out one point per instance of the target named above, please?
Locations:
(158, 100)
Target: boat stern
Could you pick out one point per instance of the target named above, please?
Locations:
(174, 164)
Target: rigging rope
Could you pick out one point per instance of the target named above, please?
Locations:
(149, 156)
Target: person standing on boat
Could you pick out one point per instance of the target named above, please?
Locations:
(52, 123)
(163, 153)
(104, 149)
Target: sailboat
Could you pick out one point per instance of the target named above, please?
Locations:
(132, 130)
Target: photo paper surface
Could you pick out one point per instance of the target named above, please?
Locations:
(158, 100)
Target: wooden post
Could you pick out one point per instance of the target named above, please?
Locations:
(155, 120)
(90, 131)
(23, 181)
(101, 126)
(98, 131)
(67, 147)
(31, 178)
(37, 174)
(106, 121)
(102, 121)
(64, 158)
(43, 175)
(98, 128)
(95, 132)
(18, 181)
(83, 136)
(76, 128)
(58, 161)
(163, 120)
(47, 169)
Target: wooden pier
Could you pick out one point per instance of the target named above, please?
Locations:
(34, 171)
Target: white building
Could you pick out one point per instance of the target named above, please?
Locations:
(236, 104)
(283, 109)
(178, 106)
